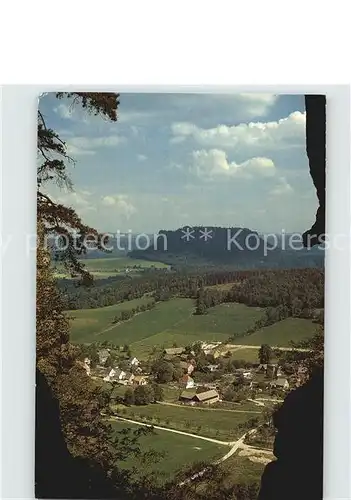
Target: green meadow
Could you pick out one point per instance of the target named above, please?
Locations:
(280, 333)
(178, 451)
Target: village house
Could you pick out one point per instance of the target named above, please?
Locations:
(115, 375)
(280, 383)
(140, 380)
(187, 381)
(134, 362)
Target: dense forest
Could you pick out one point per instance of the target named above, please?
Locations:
(300, 290)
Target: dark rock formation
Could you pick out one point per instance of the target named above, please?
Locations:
(298, 471)
(316, 152)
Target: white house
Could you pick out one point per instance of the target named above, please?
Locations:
(134, 362)
(115, 375)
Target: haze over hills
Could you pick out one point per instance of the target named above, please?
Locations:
(213, 246)
(239, 247)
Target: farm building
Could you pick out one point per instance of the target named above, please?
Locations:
(187, 396)
(207, 397)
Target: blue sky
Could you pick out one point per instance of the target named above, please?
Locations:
(188, 159)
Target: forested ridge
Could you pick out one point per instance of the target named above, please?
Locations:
(300, 289)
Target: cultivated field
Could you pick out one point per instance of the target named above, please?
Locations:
(185, 328)
(281, 333)
(212, 423)
(118, 263)
(226, 319)
(87, 323)
(103, 268)
(173, 322)
(149, 323)
(180, 451)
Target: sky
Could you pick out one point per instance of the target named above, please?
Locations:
(174, 160)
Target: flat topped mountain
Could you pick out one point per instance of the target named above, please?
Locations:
(210, 243)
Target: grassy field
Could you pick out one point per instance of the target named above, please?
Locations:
(226, 319)
(179, 451)
(281, 333)
(145, 325)
(87, 323)
(241, 470)
(103, 268)
(183, 329)
(169, 322)
(249, 355)
(217, 424)
(118, 263)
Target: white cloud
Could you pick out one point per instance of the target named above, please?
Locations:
(76, 151)
(257, 104)
(133, 116)
(87, 145)
(64, 111)
(78, 199)
(286, 132)
(108, 201)
(142, 157)
(282, 188)
(214, 162)
(121, 202)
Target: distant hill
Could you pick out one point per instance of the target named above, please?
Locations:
(213, 246)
